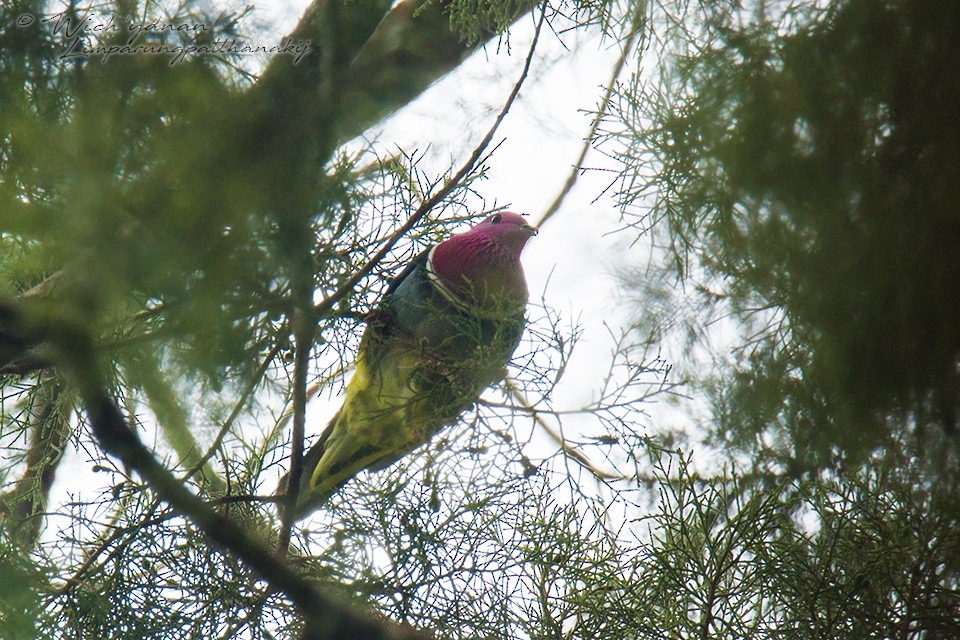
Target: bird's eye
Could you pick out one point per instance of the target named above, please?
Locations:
(496, 218)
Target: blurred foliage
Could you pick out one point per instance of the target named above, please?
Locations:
(799, 162)
(793, 167)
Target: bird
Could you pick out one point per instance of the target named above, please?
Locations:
(444, 330)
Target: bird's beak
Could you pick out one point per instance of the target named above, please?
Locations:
(532, 230)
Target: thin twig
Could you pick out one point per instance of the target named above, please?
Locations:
(578, 168)
(235, 413)
(113, 537)
(568, 450)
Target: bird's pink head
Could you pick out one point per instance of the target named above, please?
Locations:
(507, 229)
(486, 259)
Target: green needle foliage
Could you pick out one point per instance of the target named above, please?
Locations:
(800, 163)
(188, 248)
(794, 165)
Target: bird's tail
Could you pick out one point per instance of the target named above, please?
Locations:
(328, 465)
(313, 455)
(308, 500)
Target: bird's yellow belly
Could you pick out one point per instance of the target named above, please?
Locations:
(381, 401)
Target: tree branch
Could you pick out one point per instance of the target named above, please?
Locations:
(49, 432)
(381, 65)
(305, 327)
(411, 49)
(325, 617)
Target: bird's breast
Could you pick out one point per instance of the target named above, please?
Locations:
(450, 329)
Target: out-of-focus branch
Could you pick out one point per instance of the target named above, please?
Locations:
(145, 372)
(49, 432)
(22, 364)
(292, 106)
(412, 48)
(45, 286)
(385, 57)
